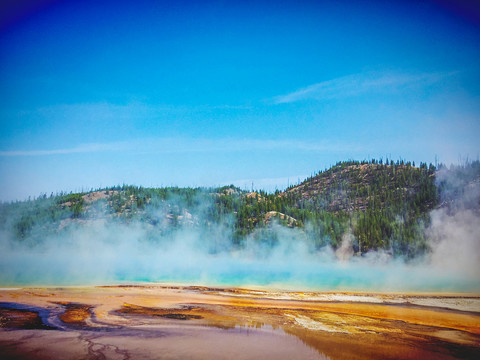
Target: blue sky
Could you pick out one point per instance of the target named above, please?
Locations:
(99, 93)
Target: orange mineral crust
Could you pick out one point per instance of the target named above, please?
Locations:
(177, 322)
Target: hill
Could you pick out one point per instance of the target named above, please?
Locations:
(371, 205)
(354, 186)
(385, 205)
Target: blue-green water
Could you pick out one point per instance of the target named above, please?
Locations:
(313, 273)
(105, 254)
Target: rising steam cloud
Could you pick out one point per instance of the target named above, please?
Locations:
(102, 251)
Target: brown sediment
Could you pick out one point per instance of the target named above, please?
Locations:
(215, 316)
(75, 314)
(21, 319)
(185, 313)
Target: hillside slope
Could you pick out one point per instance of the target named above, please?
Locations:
(353, 186)
(370, 205)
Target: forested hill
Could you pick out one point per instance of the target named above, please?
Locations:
(358, 186)
(374, 205)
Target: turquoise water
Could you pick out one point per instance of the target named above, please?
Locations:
(288, 273)
(107, 255)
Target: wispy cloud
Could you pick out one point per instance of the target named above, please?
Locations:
(83, 148)
(110, 111)
(189, 145)
(358, 84)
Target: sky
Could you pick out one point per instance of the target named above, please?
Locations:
(259, 94)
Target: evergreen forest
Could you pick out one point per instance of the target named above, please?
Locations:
(378, 205)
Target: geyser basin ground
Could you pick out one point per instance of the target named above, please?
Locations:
(178, 322)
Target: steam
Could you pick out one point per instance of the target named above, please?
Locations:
(456, 243)
(345, 251)
(103, 250)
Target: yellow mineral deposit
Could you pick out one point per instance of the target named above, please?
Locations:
(175, 322)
